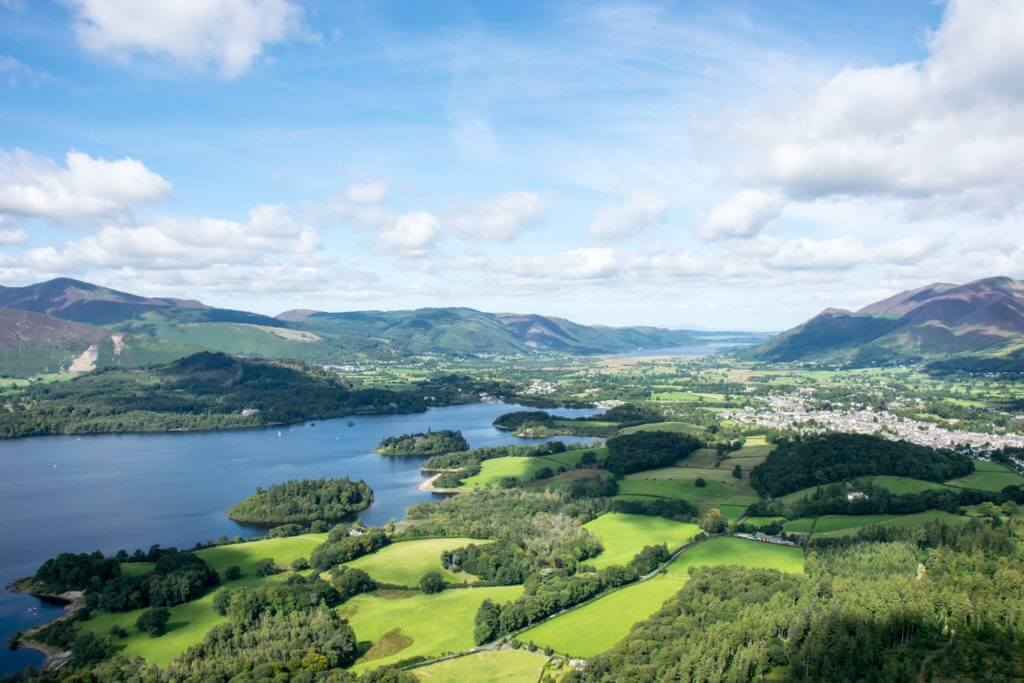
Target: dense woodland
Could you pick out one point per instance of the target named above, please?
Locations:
(302, 501)
(941, 603)
(212, 391)
(542, 423)
(647, 450)
(800, 462)
(462, 460)
(424, 444)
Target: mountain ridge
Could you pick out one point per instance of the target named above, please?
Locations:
(983, 317)
(320, 337)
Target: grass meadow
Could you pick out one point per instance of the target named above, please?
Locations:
(513, 666)
(417, 624)
(406, 562)
(494, 470)
(988, 476)
(728, 550)
(623, 536)
(590, 630)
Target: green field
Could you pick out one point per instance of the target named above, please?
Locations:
(404, 563)
(797, 495)
(246, 555)
(564, 479)
(677, 427)
(623, 536)
(988, 476)
(727, 550)
(897, 485)
(597, 626)
(713, 492)
(515, 666)
(906, 485)
(845, 525)
(494, 470)
(761, 521)
(753, 447)
(190, 622)
(804, 525)
(702, 457)
(442, 622)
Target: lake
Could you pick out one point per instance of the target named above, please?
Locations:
(113, 491)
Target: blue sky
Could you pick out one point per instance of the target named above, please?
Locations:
(738, 165)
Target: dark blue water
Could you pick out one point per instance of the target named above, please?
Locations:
(106, 492)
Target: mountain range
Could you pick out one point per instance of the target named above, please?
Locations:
(983, 319)
(67, 324)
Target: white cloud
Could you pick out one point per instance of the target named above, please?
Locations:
(837, 253)
(14, 237)
(909, 250)
(35, 186)
(367, 193)
(942, 134)
(411, 234)
(742, 215)
(182, 244)
(272, 220)
(500, 218)
(229, 34)
(637, 213)
(589, 263)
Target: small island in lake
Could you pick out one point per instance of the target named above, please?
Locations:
(539, 423)
(303, 501)
(424, 444)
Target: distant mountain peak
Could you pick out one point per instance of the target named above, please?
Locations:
(295, 315)
(941, 318)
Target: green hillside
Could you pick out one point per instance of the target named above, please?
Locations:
(977, 327)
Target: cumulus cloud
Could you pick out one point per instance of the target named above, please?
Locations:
(637, 213)
(14, 237)
(411, 234)
(228, 34)
(367, 193)
(36, 186)
(742, 215)
(502, 218)
(836, 253)
(944, 133)
(179, 243)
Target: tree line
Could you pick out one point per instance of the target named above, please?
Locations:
(803, 461)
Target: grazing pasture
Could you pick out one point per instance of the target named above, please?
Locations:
(623, 536)
(988, 476)
(418, 624)
(187, 626)
(406, 562)
(518, 467)
(677, 427)
(589, 630)
(846, 525)
(514, 666)
(728, 550)
(904, 485)
(712, 492)
(246, 555)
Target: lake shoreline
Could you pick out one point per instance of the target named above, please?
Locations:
(429, 487)
(73, 601)
(123, 491)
